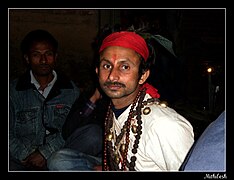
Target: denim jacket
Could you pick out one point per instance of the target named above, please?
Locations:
(35, 122)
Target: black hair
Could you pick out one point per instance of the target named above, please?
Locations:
(37, 36)
(146, 64)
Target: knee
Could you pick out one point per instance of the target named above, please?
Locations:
(95, 134)
(94, 140)
(54, 163)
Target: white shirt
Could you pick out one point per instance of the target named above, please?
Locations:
(46, 91)
(165, 140)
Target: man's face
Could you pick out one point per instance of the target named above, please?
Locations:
(118, 72)
(41, 58)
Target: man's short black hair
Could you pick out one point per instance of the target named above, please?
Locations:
(37, 36)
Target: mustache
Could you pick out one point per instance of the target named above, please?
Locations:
(109, 83)
(44, 65)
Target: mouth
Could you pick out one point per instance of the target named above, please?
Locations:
(114, 87)
(44, 67)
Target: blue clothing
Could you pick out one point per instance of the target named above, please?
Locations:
(35, 122)
(87, 139)
(83, 132)
(83, 150)
(72, 160)
(208, 153)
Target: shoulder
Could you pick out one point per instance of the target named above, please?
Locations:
(213, 135)
(208, 153)
(163, 118)
(21, 83)
(13, 82)
(159, 111)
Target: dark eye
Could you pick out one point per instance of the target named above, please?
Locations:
(49, 53)
(107, 66)
(125, 67)
(36, 55)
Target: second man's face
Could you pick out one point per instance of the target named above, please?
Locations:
(42, 58)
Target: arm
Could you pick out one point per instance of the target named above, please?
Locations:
(15, 145)
(81, 113)
(33, 161)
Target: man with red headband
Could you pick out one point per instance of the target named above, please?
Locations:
(140, 132)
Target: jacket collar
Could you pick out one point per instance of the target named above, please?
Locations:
(24, 82)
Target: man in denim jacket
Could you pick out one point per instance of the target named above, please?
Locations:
(39, 102)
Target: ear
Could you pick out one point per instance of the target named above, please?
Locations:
(144, 77)
(26, 58)
(96, 70)
(55, 57)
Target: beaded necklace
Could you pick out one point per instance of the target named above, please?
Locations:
(115, 157)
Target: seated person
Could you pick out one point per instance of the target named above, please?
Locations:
(39, 102)
(85, 114)
(83, 133)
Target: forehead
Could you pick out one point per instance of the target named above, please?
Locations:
(41, 45)
(116, 52)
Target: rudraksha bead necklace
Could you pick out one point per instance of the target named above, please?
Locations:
(115, 157)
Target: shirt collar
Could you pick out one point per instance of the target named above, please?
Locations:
(35, 82)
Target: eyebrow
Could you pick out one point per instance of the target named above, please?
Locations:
(41, 50)
(120, 61)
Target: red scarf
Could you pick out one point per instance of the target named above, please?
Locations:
(152, 91)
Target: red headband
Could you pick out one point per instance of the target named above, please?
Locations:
(128, 40)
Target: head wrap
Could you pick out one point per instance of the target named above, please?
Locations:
(127, 40)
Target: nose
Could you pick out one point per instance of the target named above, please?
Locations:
(114, 74)
(43, 58)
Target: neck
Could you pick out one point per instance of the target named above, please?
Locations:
(118, 112)
(44, 80)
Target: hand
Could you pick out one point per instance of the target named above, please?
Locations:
(98, 168)
(96, 96)
(35, 161)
